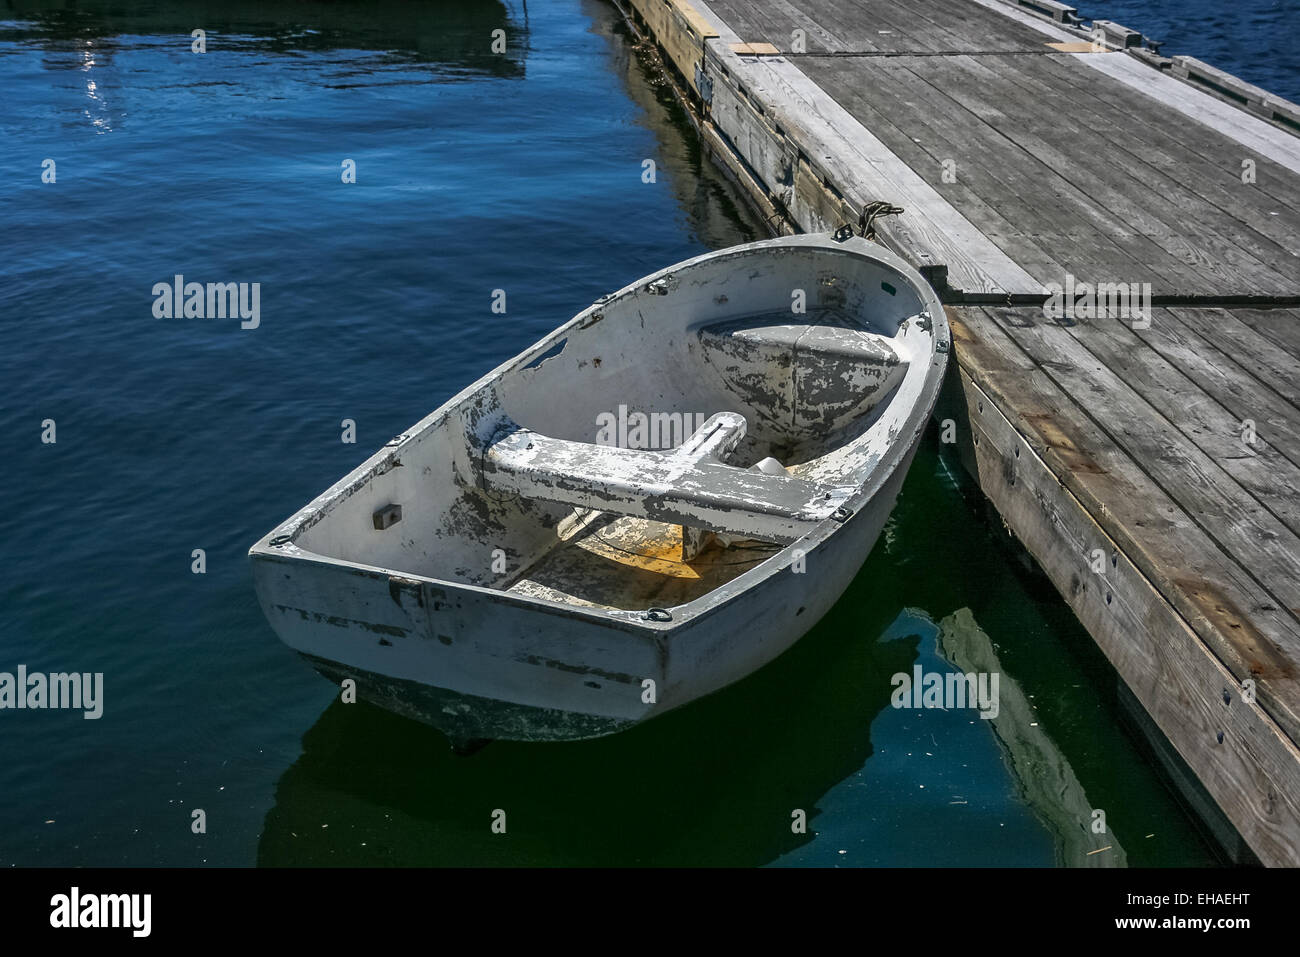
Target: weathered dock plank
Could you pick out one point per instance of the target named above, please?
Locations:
(1249, 766)
(879, 26)
(1179, 537)
(1238, 332)
(1254, 134)
(1067, 224)
(1182, 433)
(1169, 447)
(1263, 404)
(833, 145)
(1086, 192)
(1281, 327)
(1181, 150)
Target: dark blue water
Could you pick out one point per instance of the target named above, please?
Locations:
(1254, 39)
(476, 171)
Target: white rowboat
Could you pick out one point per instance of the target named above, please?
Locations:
(510, 568)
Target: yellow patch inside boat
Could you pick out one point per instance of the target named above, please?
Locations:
(661, 554)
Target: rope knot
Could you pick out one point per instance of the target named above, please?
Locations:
(866, 227)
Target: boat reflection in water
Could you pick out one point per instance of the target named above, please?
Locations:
(715, 782)
(718, 782)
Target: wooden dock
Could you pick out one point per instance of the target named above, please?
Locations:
(1149, 461)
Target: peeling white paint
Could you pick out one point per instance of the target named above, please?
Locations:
(838, 397)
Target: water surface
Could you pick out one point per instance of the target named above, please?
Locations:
(476, 171)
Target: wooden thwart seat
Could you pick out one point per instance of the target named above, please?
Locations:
(688, 486)
(816, 376)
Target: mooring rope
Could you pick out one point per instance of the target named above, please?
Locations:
(866, 227)
(870, 213)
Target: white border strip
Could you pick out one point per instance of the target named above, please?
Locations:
(1253, 133)
(1247, 129)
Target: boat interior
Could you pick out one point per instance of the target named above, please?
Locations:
(671, 438)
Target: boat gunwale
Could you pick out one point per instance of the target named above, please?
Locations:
(633, 620)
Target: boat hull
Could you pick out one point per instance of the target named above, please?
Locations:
(482, 667)
(563, 651)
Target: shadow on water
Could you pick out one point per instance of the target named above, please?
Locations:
(715, 782)
(454, 34)
(712, 783)
(711, 204)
